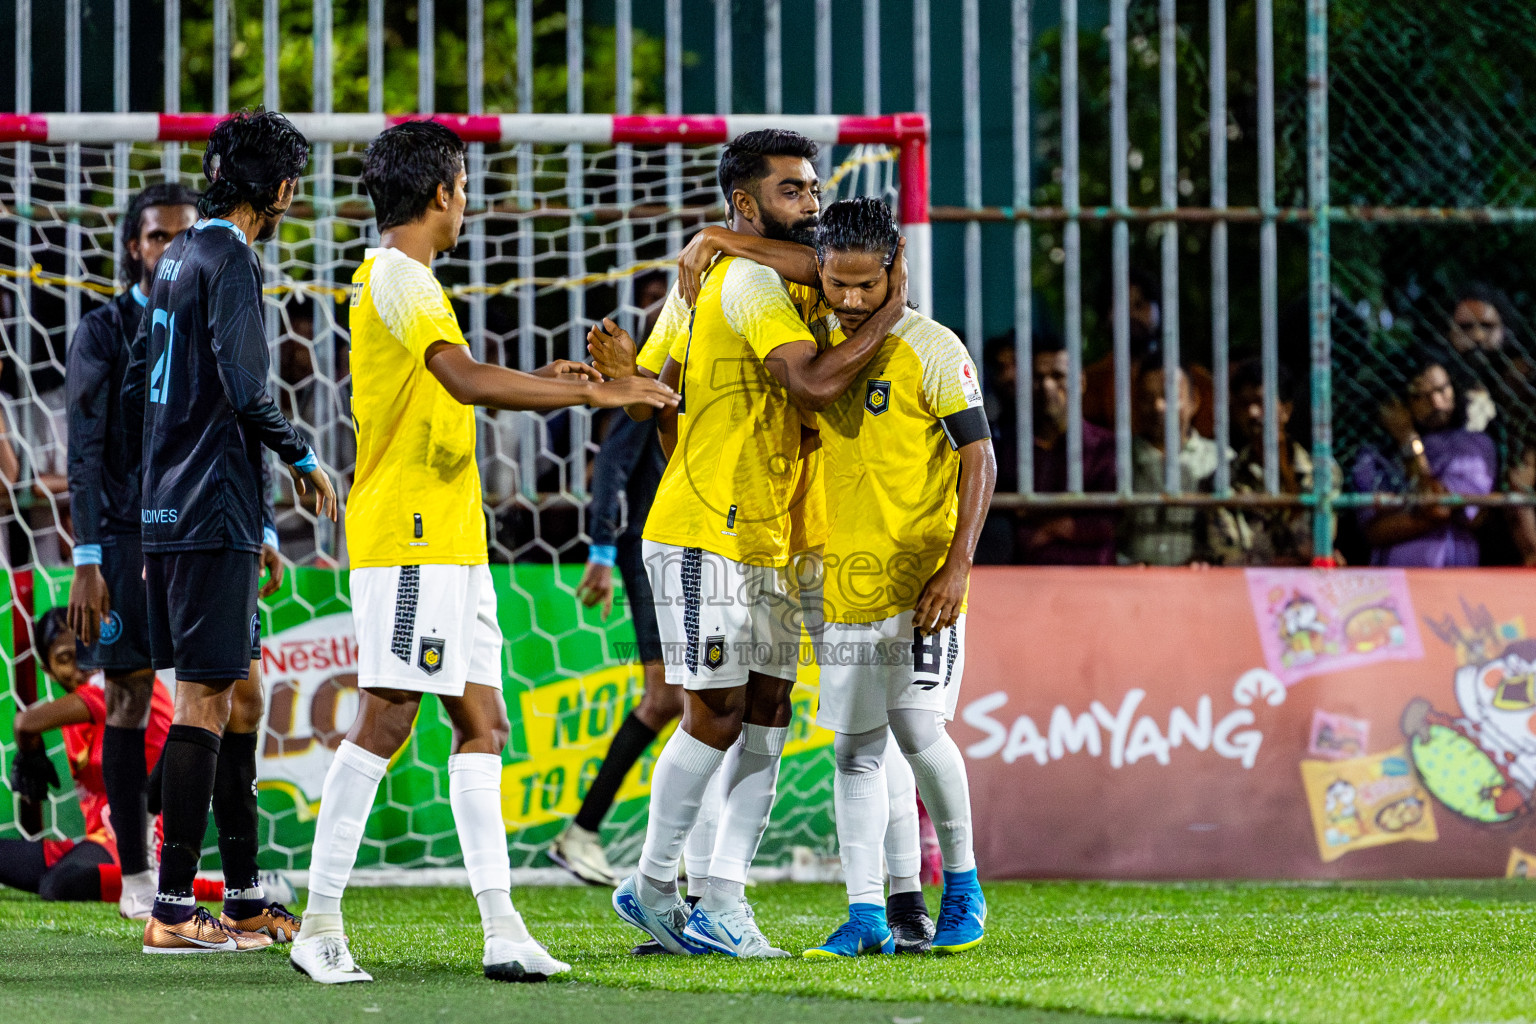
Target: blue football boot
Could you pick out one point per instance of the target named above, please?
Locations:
(962, 914)
(865, 931)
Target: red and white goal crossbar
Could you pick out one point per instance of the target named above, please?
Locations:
(906, 132)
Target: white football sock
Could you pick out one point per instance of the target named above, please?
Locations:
(682, 773)
(474, 793)
(941, 778)
(749, 793)
(722, 894)
(345, 800)
(862, 807)
(700, 847)
(903, 841)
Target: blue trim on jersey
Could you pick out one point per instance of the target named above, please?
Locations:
(308, 463)
(87, 554)
(602, 554)
(138, 295)
(220, 222)
(269, 537)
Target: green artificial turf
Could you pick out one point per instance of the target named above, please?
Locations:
(1057, 953)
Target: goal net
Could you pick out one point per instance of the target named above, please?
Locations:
(571, 218)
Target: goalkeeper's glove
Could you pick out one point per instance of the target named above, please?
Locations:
(33, 775)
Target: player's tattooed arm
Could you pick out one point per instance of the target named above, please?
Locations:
(938, 606)
(472, 382)
(794, 262)
(816, 377)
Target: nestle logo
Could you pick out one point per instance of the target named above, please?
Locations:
(157, 515)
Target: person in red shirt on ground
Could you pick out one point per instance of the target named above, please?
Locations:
(63, 869)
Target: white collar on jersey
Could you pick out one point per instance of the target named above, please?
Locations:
(220, 222)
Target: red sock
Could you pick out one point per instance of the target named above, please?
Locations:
(111, 882)
(207, 890)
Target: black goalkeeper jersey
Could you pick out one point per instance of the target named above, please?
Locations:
(103, 466)
(197, 376)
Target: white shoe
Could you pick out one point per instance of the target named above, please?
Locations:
(733, 931)
(579, 852)
(668, 927)
(506, 960)
(138, 896)
(277, 888)
(326, 959)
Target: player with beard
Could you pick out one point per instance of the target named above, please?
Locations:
(196, 387)
(106, 597)
(909, 459)
(752, 377)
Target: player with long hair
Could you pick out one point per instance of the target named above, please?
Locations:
(422, 596)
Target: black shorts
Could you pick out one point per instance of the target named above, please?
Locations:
(123, 644)
(202, 612)
(637, 591)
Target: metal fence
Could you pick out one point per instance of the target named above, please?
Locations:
(1309, 182)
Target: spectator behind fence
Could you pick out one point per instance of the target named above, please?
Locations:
(1429, 452)
(1265, 536)
(1146, 319)
(1496, 374)
(1059, 537)
(1166, 534)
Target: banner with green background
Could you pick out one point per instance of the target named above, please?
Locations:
(568, 678)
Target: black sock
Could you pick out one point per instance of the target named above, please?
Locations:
(156, 787)
(905, 902)
(189, 762)
(628, 744)
(234, 814)
(123, 775)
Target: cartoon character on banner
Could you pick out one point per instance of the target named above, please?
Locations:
(1303, 629)
(1480, 761)
(1343, 817)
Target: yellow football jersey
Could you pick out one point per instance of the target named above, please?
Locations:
(729, 485)
(416, 495)
(891, 468)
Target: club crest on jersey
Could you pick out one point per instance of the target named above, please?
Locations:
(714, 652)
(111, 629)
(877, 398)
(430, 660)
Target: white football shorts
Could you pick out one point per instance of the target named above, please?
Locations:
(426, 628)
(871, 668)
(720, 619)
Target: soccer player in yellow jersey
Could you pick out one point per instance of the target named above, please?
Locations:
(751, 376)
(422, 596)
(909, 473)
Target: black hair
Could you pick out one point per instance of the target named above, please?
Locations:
(1153, 363)
(1250, 374)
(48, 627)
(1419, 360)
(170, 193)
(404, 166)
(249, 157)
(1044, 342)
(864, 224)
(744, 162)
